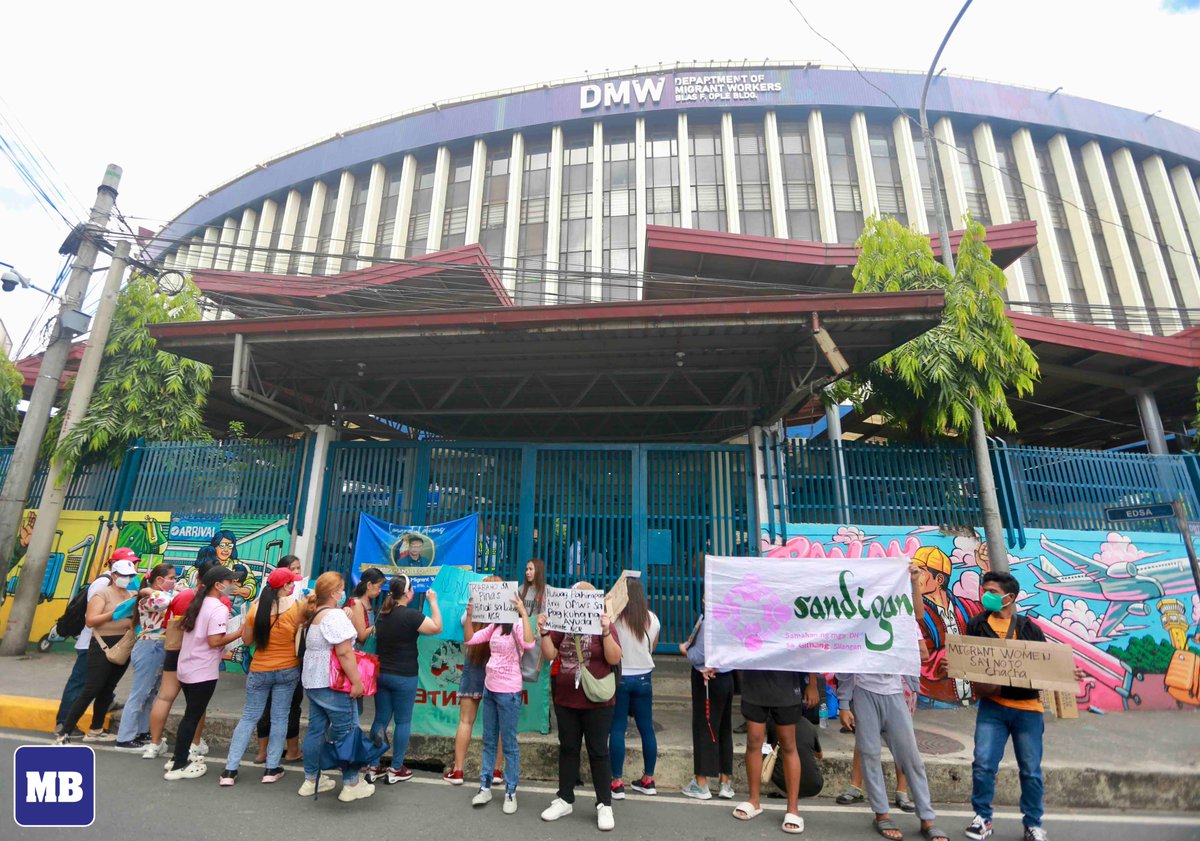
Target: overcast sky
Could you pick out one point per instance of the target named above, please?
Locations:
(186, 96)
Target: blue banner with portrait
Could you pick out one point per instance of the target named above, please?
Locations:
(415, 551)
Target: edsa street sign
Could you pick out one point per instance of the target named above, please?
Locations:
(1155, 511)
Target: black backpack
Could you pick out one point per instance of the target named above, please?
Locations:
(72, 621)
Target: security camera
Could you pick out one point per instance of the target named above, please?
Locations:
(13, 278)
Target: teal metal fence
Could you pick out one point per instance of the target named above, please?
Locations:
(92, 488)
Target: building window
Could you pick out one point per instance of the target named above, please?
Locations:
(387, 213)
(531, 236)
(799, 182)
(298, 243)
(847, 201)
(325, 231)
(422, 201)
(619, 244)
(753, 182)
(1187, 231)
(662, 176)
(1161, 239)
(1117, 318)
(575, 227)
(1062, 233)
(494, 213)
(1139, 268)
(885, 163)
(458, 196)
(1018, 209)
(972, 176)
(354, 222)
(926, 181)
(276, 231)
(708, 178)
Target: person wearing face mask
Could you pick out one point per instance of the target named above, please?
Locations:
(103, 674)
(1006, 711)
(205, 635)
(154, 600)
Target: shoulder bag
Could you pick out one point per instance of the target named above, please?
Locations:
(598, 690)
(118, 653)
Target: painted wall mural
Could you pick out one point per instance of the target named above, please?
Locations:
(1125, 602)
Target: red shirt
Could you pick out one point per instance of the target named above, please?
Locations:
(179, 604)
(566, 693)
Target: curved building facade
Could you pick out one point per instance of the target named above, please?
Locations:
(559, 180)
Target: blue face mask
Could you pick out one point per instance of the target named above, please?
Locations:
(993, 602)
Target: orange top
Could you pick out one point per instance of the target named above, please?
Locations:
(1033, 705)
(280, 653)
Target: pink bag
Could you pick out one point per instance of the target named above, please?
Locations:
(368, 671)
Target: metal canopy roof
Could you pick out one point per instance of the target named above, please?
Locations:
(644, 371)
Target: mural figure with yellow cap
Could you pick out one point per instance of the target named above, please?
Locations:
(945, 613)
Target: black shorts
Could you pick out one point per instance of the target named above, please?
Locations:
(171, 661)
(780, 716)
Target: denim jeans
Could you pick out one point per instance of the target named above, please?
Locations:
(394, 702)
(993, 725)
(74, 685)
(333, 711)
(258, 690)
(147, 660)
(635, 693)
(501, 711)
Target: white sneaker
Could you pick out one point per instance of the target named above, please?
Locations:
(310, 787)
(483, 798)
(196, 768)
(358, 791)
(726, 791)
(154, 751)
(510, 804)
(198, 751)
(558, 808)
(604, 817)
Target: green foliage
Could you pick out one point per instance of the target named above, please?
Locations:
(972, 358)
(141, 392)
(237, 430)
(10, 396)
(1145, 655)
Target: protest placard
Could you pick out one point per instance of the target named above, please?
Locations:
(573, 611)
(1028, 665)
(618, 596)
(492, 601)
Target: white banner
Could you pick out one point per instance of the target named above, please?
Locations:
(810, 615)
(492, 601)
(573, 611)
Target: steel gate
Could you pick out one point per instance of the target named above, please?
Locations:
(589, 511)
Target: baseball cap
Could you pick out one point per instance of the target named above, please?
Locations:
(123, 566)
(281, 576)
(123, 553)
(933, 559)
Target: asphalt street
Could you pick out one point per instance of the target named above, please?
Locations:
(134, 801)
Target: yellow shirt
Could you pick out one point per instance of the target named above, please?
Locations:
(1033, 705)
(280, 653)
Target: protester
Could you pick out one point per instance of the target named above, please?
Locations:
(396, 632)
(332, 715)
(638, 628)
(502, 700)
(778, 697)
(361, 607)
(154, 601)
(533, 588)
(168, 689)
(578, 716)
(470, 696)
(1006, 711)
(263, 729)
(108, 653)
(274, 672)
(205, 635)
(712, 721)
(855, 792)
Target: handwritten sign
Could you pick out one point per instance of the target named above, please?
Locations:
(1028, 665)
(618, 596)
(573, 611)
(492, 601)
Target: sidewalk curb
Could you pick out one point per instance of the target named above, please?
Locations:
(20, 712)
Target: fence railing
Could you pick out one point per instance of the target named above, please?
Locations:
(92, 487)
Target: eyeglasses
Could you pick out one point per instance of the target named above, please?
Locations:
(224, 544)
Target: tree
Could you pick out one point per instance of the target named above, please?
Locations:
(10, 395)
(972, 358)
(141, 392)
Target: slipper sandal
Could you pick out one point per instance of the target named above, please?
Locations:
(905, 803)
(932, 833)
(746, 812)
(793, 824)
(885, 826)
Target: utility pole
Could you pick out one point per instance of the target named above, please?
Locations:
(25, 602)
(989, 502)
(54, 361)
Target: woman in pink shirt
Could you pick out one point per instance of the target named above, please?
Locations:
(502, 699)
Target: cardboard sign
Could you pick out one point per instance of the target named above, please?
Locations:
(492, 601)
(618, 596)
(573, 611)
(1028, 665)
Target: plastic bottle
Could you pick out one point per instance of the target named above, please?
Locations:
(824, 716)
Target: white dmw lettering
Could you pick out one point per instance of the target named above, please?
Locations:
(40, 788)
(624, 92)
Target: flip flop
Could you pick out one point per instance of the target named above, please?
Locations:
(932, 833)
(746, 812)
(885, 826)
(793, 824)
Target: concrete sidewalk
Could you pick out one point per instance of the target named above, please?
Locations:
(1143, 760)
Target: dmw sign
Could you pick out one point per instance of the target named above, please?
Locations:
(626, 92)
(54, 785)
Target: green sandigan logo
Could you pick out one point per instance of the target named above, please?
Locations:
(882, 608)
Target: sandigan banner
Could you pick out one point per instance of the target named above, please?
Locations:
(810, 615)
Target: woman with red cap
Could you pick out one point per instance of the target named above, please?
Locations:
(274, 672)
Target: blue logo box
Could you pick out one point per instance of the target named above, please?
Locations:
(54, 785)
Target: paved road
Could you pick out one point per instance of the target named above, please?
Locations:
(135, 801)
